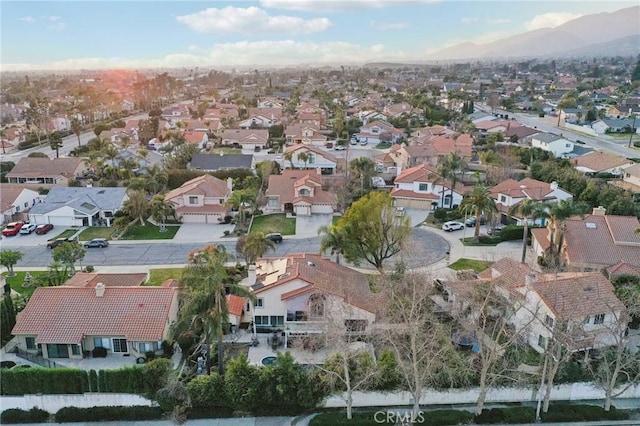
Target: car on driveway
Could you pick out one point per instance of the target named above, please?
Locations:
(27, 228)
(43, 229)
(452, 226)
(471, 222)
(97, 242)
(275, 237)
(58, 241)
(495, 228)
(339, 147)
(12, 229)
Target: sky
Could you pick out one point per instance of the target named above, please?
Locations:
(62, 35)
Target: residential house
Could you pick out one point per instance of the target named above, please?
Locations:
(39, 172)
(270, 103)
(315, 119)
(299, 192)
(369, 116)
(631, 179)
(520, 134)
(235, 308)
(199, 138)
(397, 110)
(316, 159)
(509, 193)
(413, 155)
(69, 321)
(257, 121)
(304, 294)
(92, 279)
(495, 126)
(246, 138)
(304, 134)
(445, 145)
(594, 241)
(377, 131)
(385, 163)
(557, 145)
(421, 187)
(79, 206)
(16, 200)
(201, 200)
(616, 125)
(211, 163)
(601, 162)
(12, 136)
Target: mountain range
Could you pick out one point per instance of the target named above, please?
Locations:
(610, 34)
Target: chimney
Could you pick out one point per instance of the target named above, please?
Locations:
(599, 211)
(252, 277)
(100, 289)
(318, 171)
(553, 185)
(230, 184)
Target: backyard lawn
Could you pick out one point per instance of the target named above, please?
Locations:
(16, 282)
(65, 234)
(226, 151)
(149, 232)
(159, 275)
(274, 223)
(96, 232)
(465, 264)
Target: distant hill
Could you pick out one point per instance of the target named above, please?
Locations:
(586, 35)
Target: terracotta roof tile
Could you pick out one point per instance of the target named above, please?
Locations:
(206, 184)
(235, 304)
(419, 173)
(599, 161)
(90, 279)
(35, 167)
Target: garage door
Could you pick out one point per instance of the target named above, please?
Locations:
(57, 220)
(194, 218)
(213, 218)
(413, 204)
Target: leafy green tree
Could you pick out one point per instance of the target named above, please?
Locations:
(528, 210)
(255, 246)
(372, 231)
(55, 142)
(240, 200)
(635, 74)
(8, 258)
(364, 169)
(239, 382)
(478, 202)
(137, 205)
(332, 240)
(76, 128)
(207, 391)
(7, 318)
(68, 254)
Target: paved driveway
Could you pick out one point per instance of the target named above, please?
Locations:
(201, 232)
(417, 216)
(307, 226)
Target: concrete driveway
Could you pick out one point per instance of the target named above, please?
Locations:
(201, 232)
(417, 216)
(307, 226)
(32, 239)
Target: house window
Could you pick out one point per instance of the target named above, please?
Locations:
(542, 341)
(221, 201)
(304, 191)
(423, 187)
(75, 349)
(193, 200)
(273, 202)
(598, 319)
(548, 321)
(101, 342)
(353, 325)
(311, 158)
(261, 320)
(568, 145)
(31, 343)
(259, 303)
(503, 199)
(277, 320)
(587, 319)
(120, 345)
(447, 200)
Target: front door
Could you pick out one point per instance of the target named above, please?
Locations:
(57, 351)
(120, 345)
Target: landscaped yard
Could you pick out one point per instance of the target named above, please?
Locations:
(485, 240)
(465, 264)
(226, 151)
(159, 275)
(96, 232)
(274, 223)
(149, 232)
(65, 234)
(16, 282)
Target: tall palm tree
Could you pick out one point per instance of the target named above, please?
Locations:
(76, 128)
(529, 210)
(111, 152)
(137, 205)
(558, 213)
(204, 299)
(241, 199)
(255, 246)
(156, 179)
(332, 240)
(478, 202)
(304, 157)
(455, 166)
(288, 156)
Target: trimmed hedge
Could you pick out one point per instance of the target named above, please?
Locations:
(506, 415)
(43, 380)
(583, 412)
(106, 414)
(16, 415)
(511, 232)
(368, 418)
(447, 417)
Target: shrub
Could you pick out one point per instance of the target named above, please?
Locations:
(37, 155)
(26, 381)
(167, 348)
(75, 183)
(16, 415)
(88, 268)
(581, 412)
(506, 415)
(150, 355)
(99, 352)
(227, 219)
(117, 413)
(440, 214)
(454, 215)
(257, 212)
(226, 233)
(447, 417)
(511, 232)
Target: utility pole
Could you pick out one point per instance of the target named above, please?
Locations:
(633, 129)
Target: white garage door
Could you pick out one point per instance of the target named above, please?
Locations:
(194, 218)
(413, 204)
(57, 220)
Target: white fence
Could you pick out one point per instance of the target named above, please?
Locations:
(53, 403)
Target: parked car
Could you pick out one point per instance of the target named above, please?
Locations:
(58, 241)
(43, 229)
(28, 228)
(363, 141)
(12, 229)
(339, 147)
(471, 222)
(495, 228)
(97, 242)
(452, 226)
(275, 237)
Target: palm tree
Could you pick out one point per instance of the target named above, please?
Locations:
(479, 201)
(156, 179)
(2, 136)
(240, 200)
(76, 128)
(204, 300)
(529, 210)
(558, 213)
(332, 240)
(255, 246)
(111, 153)
(288, 156)
(364, 169)
(304, 157)
(137, 205)
(455, 165)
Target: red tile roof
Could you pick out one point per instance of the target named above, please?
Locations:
(419, 173)
(67, 314)
(90, 279)
(8, 195)
(284, 187)
(45, 167)
(235, 304)
(525, 188)
(206, 185)
(407, 193)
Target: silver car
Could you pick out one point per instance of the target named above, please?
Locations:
(452, 226)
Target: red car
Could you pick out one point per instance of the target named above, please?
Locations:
(43, 229)
(12, 229)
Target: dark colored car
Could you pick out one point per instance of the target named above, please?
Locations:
(276, 238)
(97, 242)
(12, 229)
(43, 229)
(58, 241)
(472, 221)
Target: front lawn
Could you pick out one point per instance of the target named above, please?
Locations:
(65, 234)
(466, 264)
(274, 223)
(485, 240)
(226, 151)
(96, 232)
(159, 275)
(16, 282)
(149, 231)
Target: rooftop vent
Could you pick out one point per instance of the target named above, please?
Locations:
(313, 265)
(590, 225)
(101, 191)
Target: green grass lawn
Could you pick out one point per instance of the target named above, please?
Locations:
(96, 232)
(149, 232)
(16, 282)
(383, 146)
(160, 275)
(65, 234)
(226, 151)
(464, 264)
(274, 223)
(485, 240)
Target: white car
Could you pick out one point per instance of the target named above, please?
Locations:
(452, 226)
(339, 147)
(27, 228)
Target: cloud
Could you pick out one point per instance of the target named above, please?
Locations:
(57, 26)
(467, 21)
(386, 26)
(323, 6)
(242, 53)
(250, 20)
(27, 19)
(550, 20)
